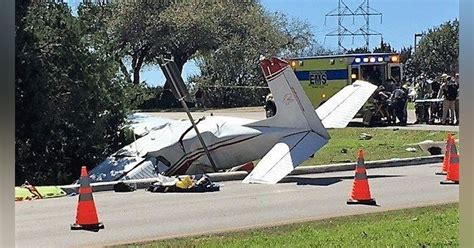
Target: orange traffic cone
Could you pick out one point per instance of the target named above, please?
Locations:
(453, 170)
(86, 217)
(360, 187)
(446, 155)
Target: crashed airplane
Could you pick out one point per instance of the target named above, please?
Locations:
(282, 142)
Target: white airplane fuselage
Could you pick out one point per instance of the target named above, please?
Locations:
(230, 140)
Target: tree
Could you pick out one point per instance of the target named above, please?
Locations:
(438, 51)
(69, 99)
(358, 50)
(147, 31)
(231, 74)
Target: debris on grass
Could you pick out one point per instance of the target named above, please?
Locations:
(365, 136)
(411, 149)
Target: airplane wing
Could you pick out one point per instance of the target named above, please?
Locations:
(285, 155)
(339, 110)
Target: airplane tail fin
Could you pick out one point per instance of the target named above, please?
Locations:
(294, 109)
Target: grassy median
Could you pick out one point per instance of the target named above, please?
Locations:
(435, 226)
(384, 144)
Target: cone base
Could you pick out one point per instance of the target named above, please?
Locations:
(441, 173)
(365, 202)
(93, 227)
(449, 182)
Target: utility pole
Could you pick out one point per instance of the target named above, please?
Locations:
(416, 41)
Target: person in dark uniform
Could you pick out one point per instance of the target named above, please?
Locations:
(398, 99)
(435, 86)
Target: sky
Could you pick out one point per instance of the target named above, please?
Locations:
(401, 19)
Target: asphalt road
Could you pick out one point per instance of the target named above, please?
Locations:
(258, 113)
(142, 215)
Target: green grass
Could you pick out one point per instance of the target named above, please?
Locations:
(435, 226)
(385, 144)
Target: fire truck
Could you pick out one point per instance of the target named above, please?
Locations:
(323, 76)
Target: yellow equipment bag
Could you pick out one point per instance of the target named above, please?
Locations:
(185, 183)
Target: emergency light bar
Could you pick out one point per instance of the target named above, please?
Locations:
(393, 59)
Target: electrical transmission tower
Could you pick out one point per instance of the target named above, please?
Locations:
(340, 12)
(366, 11)
(343, 10)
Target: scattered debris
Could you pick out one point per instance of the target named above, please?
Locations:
(185, 184)
(365, 136)
(396, 129)
(123, 187)
(411, 149)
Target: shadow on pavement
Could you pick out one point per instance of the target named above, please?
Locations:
(326, 181)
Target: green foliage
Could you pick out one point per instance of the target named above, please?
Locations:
(231, 74)
(358, 50)
(382, 48)
(69, 100)
(438, 51)
(406, 54)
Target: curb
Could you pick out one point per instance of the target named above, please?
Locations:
(239, 175)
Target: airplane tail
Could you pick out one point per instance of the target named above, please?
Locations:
(294, 109)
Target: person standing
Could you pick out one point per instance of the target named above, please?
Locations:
(398, 101)
(435, 86)
(450, 92)
(406, 90)
(199, 95)
(456, 103)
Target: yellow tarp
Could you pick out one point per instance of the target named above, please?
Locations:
(50, 191)
(23, 193)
